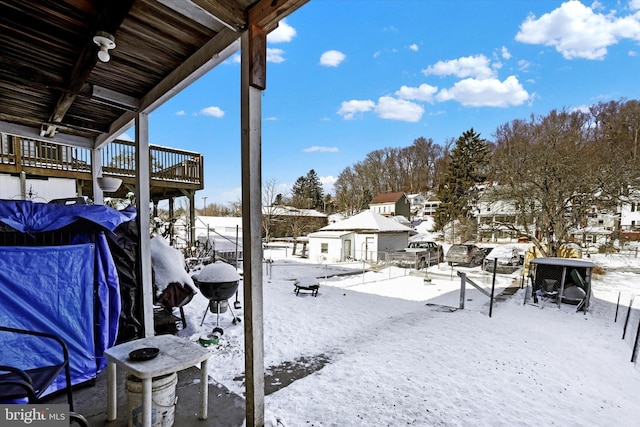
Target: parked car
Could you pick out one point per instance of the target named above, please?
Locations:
(419, 254)
(465, 254)
(508, 259)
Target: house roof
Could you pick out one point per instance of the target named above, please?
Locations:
(330, 234)
(387, 198)
(367, 221)
(54, 87)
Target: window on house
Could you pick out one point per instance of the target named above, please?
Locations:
(324, 248)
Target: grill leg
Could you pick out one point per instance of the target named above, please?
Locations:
(218, 314)
(235, 319)
(205, 314)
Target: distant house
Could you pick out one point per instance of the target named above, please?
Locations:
(391, 204)
(416, 203)
(430, 206)
(365, 236)
(287, 221)
(630, 216)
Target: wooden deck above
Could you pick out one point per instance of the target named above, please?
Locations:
(174, 173)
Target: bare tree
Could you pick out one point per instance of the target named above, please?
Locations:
(546, 168)
(269, 206)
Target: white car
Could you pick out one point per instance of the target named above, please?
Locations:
(508, 259)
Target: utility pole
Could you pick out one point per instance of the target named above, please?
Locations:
(205, 205)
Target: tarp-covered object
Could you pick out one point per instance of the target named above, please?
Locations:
(68, 290)
(48, 289)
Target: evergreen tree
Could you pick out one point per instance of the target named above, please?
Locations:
(467, 167)
(307, 192)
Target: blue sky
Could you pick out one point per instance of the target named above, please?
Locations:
(346, 77)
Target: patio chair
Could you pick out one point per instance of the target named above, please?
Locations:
(19, 383)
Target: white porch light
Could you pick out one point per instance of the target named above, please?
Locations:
(106, 42)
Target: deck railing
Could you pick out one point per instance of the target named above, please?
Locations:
(118, 159)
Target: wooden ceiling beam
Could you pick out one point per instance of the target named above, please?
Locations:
(194, 13)
(228, 13)
(109, 20)
(267, 13)
(9, 126)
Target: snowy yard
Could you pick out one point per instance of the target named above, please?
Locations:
(392, 354)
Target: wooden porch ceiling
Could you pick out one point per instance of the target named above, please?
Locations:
(53, 87)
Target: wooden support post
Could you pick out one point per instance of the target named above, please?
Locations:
(251, 160)
(143, 200)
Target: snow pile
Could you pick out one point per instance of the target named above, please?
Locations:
(218, 272)
(168, 266)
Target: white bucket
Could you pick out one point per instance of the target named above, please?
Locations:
(163, 400)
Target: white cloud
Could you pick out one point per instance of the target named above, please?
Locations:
(328, 183)
(283, 34)
(348, 109)
(212, 112)
(180, 113)
(469, 66)
(582, 108)
(274, 55)
(524, 65)
(414, 47)
(271, 119)
(318, 148)
(633, 53)
(504, 52)
(486, 93)
(424, 92)
(634, 4)
(332, 58)
(576, 31)
(398, 109)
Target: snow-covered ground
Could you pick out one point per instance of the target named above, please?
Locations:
(394, 354)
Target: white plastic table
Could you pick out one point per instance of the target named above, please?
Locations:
(176, 354)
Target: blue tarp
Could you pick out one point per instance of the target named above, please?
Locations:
(70, 290)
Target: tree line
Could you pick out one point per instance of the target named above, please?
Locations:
(555, 168)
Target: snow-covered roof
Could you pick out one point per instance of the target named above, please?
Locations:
(567, 262)
(329, 234)
(367, 221)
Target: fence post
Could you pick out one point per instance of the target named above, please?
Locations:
(493, 286)
(463, 282)
(615, 319)
(634, 353)
(626, 321)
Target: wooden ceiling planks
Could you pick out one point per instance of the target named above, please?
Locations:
(48, 62)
